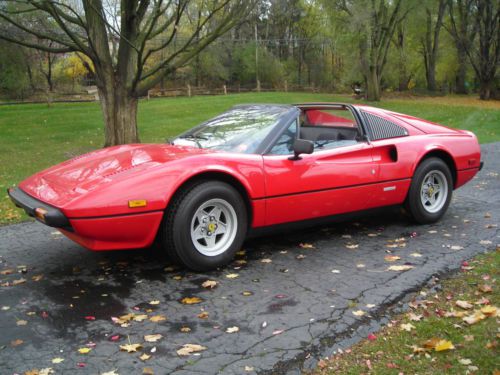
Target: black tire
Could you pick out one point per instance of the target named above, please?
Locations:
(179, 218)
(420, 212)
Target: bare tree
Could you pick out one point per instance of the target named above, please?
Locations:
(463, 30)
(132, 44)
(430, 41)
(486, 57)
(375, 24)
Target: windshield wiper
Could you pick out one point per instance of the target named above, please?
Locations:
(192, 136)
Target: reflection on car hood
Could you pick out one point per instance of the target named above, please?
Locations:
(66, 181)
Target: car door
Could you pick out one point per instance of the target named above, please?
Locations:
(324, 183)
(393, 156)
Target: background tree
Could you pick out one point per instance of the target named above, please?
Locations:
(131, 49)
(485, 57)
(374, 24)
(434, 14)
(463, 30)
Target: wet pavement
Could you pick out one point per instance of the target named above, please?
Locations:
(292, 297)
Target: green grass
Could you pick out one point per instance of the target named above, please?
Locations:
(392, 352)
(34, 137)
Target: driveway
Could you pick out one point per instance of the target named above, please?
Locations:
(286, 301)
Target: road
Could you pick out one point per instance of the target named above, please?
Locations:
(292, 297)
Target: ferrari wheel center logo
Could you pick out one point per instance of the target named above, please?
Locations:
(211, 227)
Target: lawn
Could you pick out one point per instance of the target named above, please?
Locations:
(462, 319)
(34, 136)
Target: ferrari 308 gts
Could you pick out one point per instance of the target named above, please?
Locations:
(252, 167)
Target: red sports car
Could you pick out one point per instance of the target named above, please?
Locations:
(252, 167)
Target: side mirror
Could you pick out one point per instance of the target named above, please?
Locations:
(301, 146)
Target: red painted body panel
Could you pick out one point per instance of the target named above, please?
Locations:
(116, 232)
(93, 190)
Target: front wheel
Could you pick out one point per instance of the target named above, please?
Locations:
(206, 225)
(430, 191)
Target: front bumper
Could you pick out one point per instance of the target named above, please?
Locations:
(53, 217)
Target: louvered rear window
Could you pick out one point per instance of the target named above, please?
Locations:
(380, 128)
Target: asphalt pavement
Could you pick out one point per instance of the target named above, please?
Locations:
(285, 302)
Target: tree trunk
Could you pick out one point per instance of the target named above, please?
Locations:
(485, 89)
(120, 116)
(462, 70)
(373, 85)
(430, 73)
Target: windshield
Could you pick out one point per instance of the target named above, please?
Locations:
(241, 129)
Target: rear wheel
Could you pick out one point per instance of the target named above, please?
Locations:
(430, 191)
(205, 225)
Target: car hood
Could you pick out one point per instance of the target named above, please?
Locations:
(71, 179)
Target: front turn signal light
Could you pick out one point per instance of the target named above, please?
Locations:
(137, 203)
(40, 213)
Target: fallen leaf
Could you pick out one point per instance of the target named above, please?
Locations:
(46, 371)
(371, 337)
(140, 318)
(464, 305)
(144, 357)
(416, 255)
(391, 258)
(400, 268)
(443, 345)
(21, 322)
(130, 348)
(209, 284)
(360, 265)
(7, 272)
(232, 276)
(16, 342)
(414, 317)
(203, 315)
(359, 313)
(112, 372)
(248, 368)
(147, 371)
(335, 271)
(185, 329)
(300, 256)
(18, 281)
(152, 338)
(191, 300)
(190, 348)
(474, 318)
(485, 242)
(57, 360)
(352, 246)
(37, 277)
(485, 288)
(232, 329)
(266, 260)
(456, 247)
(489, 310)
(469, 338)
(278, 331)
(465, 361)
(407, 327)
(306, 246)
(154, 302)
(158, 318)
(84, 350)
(247, 293)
